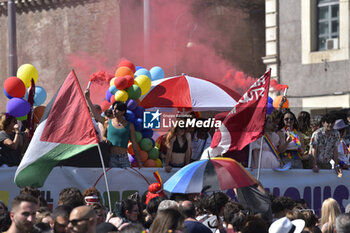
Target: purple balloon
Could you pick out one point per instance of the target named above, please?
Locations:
(139, 112)
(131, 158)
(270, 108)
(17, 107)
(131, 104)
(130, 116)
(108, 95)
(139, 124)
(269, 100)
(147, 133)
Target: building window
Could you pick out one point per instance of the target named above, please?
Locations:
(327, 24)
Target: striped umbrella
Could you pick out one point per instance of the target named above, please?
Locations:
(211, 174)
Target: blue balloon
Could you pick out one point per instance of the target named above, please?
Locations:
(139, 124)
(131, 104)
(17, 107)
(139, 112)
(138, 67)
(143, 71)
(40, 95)
(147, 133)
(108, 95)
(112, 89)
(269, 100)
(7, 95)
(270, 108)
(157, 73)
(130, 116)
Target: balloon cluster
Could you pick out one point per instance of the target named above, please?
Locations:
(273, 104)
(128, 85)
(15, 90)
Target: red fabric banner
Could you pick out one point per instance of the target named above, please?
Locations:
(245, 122)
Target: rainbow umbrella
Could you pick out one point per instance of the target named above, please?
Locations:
(212, 174)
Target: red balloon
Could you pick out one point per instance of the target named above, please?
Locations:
(121, 83)
(112, 100)
(127, 63)
(15, 87)
(150, 163)
(130, 80)
(105, 105)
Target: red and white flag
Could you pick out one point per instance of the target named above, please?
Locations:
(245, 122)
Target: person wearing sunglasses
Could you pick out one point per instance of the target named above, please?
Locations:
(292, 144)
(82, 219)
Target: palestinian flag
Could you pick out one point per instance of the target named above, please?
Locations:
(65, 130)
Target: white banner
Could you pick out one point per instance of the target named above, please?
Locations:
(295, 183)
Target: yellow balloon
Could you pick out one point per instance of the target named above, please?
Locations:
(144, 83)
(159, 162)
(26, 73)
(111, 83)
(121, 95)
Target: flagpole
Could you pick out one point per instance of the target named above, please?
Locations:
(105, 175)
(260, 155)
(250, 157)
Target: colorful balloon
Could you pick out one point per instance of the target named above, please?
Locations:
(139, 112)
(17, 107)
(38, 113)
(143, 71)
(277, 101)
(153, 153)
(40, 95)
(108, 95)
(123, 71)
(134, 92)
(146, 144)
(130, 116)
(130, 80)
(138, 124)
(269, 100)
(150, 163)
(131, 104)
(26, 73)
(138, 136)
(127, 63)
(144, 83)
(269, 109)
(112, 89)
(111, 83)
(157, 73)
(7, 95)
(121, 83)
(105, 105)
(147, 133)
(23, 118)
(14, 87)
(121, 95)
(159, 163)
(138, 67)
(143, 156)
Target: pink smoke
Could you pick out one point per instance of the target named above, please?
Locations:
(182, 40)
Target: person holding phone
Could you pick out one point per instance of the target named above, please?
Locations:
(11, 140)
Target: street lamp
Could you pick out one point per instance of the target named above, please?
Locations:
(12, 57)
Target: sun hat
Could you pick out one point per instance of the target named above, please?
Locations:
(284, 225)
(340, 124)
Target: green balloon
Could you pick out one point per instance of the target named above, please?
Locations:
(22, 118)
(153, 153)
(146, 144)
(138, 136)
(134, 92)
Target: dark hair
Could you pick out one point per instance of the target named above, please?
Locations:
(62, 210)
(328, 118)
(21, 198)
(254, 224)
(35, 192)
(153, 204)
(282, 203)
(5, 221)
(216, 202)
(41, 228)
(121, 106)
(295, 123)
(90, 191)
(304, 121)
(178, 197)
(4, 206)
(232, 214)
(71, 196)
(5, 120)
(127, 204)
(309, 217)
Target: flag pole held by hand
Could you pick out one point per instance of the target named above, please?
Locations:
(88, 86)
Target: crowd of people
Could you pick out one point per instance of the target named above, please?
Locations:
(255, 210)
